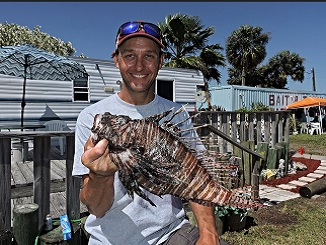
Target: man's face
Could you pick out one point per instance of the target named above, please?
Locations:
(139, 61)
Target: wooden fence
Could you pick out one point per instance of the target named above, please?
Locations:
(271, 127)
(266, 133)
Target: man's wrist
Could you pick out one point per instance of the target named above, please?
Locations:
(94, 175)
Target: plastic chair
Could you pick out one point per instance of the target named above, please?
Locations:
(304, 128)
(57, 125)
(315, 127)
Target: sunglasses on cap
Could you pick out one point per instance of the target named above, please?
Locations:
(133, 27)
(138, 27)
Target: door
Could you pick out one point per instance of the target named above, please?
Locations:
(165, 89)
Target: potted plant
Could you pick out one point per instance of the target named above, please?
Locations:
(192, 219)
(234, 219)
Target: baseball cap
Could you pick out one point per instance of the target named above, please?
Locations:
(138, 28)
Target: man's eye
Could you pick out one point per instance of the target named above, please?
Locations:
(149, 56)
(129, 57)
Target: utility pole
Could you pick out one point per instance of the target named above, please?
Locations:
(313, 80)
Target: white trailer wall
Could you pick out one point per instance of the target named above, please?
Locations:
(47, 100)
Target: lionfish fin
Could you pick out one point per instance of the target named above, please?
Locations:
(131, 185)
(181, 109)
(157, 117)
(190, 117)
(145, 197)
(194, 128)
(156, 171)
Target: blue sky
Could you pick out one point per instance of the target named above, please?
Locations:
(91, 26)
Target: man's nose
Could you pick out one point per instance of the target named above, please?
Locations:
(139, 64)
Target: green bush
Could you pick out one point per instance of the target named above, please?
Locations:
(255, 106)
(227, 211)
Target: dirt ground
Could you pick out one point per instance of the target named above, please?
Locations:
(273, 215)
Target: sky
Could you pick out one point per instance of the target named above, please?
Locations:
(91, 26)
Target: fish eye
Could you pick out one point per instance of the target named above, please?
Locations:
(121, 121)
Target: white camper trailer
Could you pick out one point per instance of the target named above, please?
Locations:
(49, 100)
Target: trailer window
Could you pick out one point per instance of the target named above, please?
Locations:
(81, 89)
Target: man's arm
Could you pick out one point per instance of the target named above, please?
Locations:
(204, 215)
(206, 223)
(98, 190)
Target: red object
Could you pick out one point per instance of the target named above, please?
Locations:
(301, 150)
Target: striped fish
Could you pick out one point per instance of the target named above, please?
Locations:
(154, 156)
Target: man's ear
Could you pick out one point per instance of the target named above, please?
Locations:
(116, 61)
(162, 60)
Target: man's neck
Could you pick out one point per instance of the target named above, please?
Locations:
(136, 98)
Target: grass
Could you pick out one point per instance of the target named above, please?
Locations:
(301, 221)
(312, 144)
(298, 221)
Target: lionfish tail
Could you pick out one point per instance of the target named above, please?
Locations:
(243, 197)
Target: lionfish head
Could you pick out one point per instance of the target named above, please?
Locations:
(107, 126)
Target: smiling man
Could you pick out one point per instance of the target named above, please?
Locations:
(115, 217)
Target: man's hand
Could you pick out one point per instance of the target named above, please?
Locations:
(208, 239)
(206, 223)
(98, 191)
(97, 158)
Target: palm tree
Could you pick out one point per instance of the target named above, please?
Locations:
(246, 48)
(282, 65)
(254, 77)
(184, 37)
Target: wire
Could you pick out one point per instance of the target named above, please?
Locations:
(38, 235)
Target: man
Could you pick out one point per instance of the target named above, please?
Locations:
(116, 218)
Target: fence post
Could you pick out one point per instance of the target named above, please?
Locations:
(5, 184)
(280, 126)
(243, 131)
(267, 128)
(258, 127)
(274, 133)
(42, 176)
(234, 126)
(251, 126)
(255, 176)
(287, 126)
(25, 223)
(72, 183)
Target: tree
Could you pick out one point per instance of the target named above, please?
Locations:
(253, 78)
(245, 49)
(212, 58)
(13, 34)
(274, 74)
(280, 66)
(184, 37)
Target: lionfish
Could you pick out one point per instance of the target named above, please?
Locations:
(154, 156)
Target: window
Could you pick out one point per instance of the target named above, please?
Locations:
(81, 89)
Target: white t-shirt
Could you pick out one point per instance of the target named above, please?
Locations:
(130, 221)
